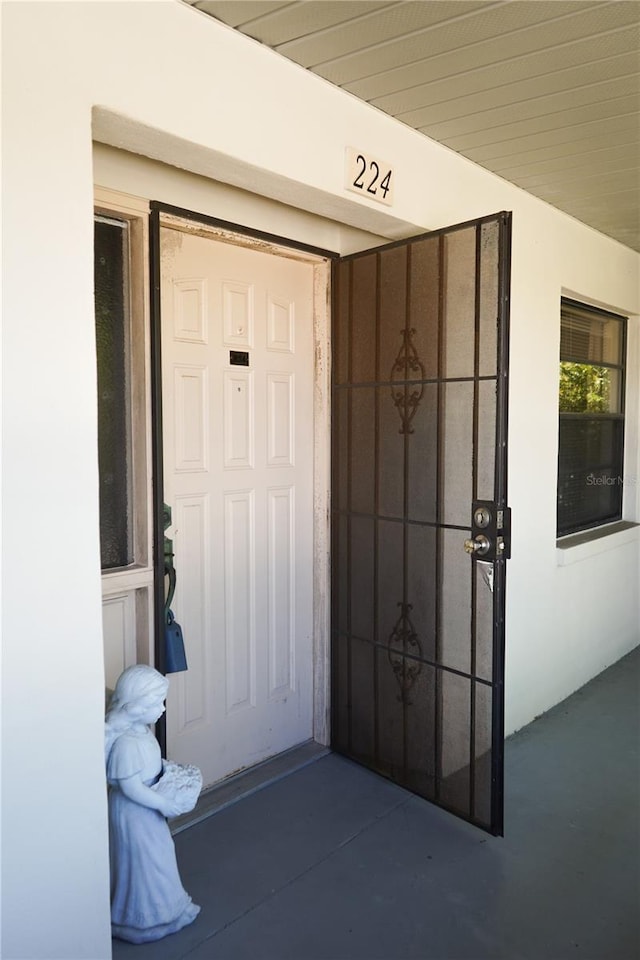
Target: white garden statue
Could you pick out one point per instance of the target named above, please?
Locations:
(148, 901)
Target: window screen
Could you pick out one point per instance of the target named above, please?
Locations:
(591, 414)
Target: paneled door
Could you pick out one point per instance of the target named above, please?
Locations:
(420, 520)
(237, 396)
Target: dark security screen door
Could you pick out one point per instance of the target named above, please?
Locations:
(419, 431)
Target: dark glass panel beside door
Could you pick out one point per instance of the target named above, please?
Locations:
(111, 319)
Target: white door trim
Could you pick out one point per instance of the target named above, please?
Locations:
(322, 502)
(321, 448)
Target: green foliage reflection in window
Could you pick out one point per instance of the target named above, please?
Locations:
(584, 388)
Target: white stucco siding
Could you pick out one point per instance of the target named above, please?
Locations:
(164, 80)
(555, 618)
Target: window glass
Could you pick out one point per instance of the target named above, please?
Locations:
(586, 388)
(111, 255)
(589, 338)
(591, 423)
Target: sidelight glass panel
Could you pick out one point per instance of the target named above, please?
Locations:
(111, 252)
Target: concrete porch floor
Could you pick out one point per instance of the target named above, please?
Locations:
(334, 863)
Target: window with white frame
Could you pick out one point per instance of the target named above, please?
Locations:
(591, 417)
(122, 355)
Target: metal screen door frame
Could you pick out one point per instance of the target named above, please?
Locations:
(399, 706)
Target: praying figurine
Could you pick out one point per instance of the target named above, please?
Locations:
(148, 901)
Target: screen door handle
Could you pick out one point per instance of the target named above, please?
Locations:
(479, 546)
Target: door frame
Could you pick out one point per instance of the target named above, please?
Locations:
(189, 221)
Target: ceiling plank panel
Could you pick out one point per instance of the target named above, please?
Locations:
(542, 66)
(626, 137)
(501, 31)
(567, 122)
(576, 85)
(235, 14)
(300, 20)
(582, 104)
(610, 158)
(399, 21)
(601, 208)
(545, 93)
(600, 133)
(469, 55)
(589, 187)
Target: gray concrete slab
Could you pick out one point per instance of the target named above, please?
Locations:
(249, 781)
(334, 863)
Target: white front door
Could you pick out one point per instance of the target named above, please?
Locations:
(238, 382)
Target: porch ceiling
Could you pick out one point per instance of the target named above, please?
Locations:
(544, 93)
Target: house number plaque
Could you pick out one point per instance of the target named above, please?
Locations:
(369, 176)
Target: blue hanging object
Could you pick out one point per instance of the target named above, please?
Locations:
(175, 658)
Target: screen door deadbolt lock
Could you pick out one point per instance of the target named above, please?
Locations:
(481, 517)
(490, 531)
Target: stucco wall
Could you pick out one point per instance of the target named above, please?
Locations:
(165, 81)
